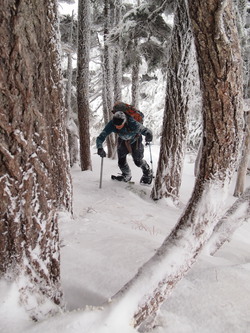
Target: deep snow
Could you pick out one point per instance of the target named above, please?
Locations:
(114, 230)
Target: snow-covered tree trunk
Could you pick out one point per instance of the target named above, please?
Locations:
(108, 57)
(34, 163)
(242, 169)
(108, 79)
(175, 122)
(118, 56)
(243, 20)
(135, 77)
(135, 84)
(71, 127)
(69, 72)
(219, 60)
(240, 13)
(83, 49)
(197, 160)
(232, 220)
(246, 50)
(242, 10)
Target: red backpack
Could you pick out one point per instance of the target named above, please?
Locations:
(129, 110)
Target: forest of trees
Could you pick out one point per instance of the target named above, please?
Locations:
(42, 123)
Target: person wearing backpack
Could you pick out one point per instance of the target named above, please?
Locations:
(129, 133)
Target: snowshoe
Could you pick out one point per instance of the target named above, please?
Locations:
(121, 178)
(147, 177)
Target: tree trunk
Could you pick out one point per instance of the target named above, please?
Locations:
(243, 17)
(135, 79)
(232, 220)
(110, 140)
(34, 164)
(221, 82)
(197, 160)
(69, 72)
(175, 123)
(83, 82)
(118, 57)
(71, 127)
(107, 79)
(242, 170)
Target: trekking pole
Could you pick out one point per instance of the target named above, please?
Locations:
(100, 185)
(151, 160)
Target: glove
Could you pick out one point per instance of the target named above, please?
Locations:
(101, 152)
(149, 136)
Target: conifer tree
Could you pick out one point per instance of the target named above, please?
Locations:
(34, 164)
(107, 63)
(72, 130)
(83, 50)
(118, 72)
(175, 122)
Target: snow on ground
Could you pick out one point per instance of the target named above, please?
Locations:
(120, 226)
(114, 230)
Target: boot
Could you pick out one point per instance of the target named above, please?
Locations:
(147, 177)
(122, 178)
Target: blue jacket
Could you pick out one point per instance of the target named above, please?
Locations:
(128, 132)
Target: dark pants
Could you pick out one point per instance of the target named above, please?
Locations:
(137, 151)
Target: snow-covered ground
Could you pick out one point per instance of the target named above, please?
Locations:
(118, 227)
(115, 229)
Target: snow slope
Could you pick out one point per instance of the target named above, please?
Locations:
(114, 230)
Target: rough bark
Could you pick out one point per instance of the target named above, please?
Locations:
(34, 168)
(118, 56)
(83, 49)
(135, 82)
(197, 160)
(107, 79)
(175, 122)
(71, 128)
(69, 72)
(220, 74)
(135, 75)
